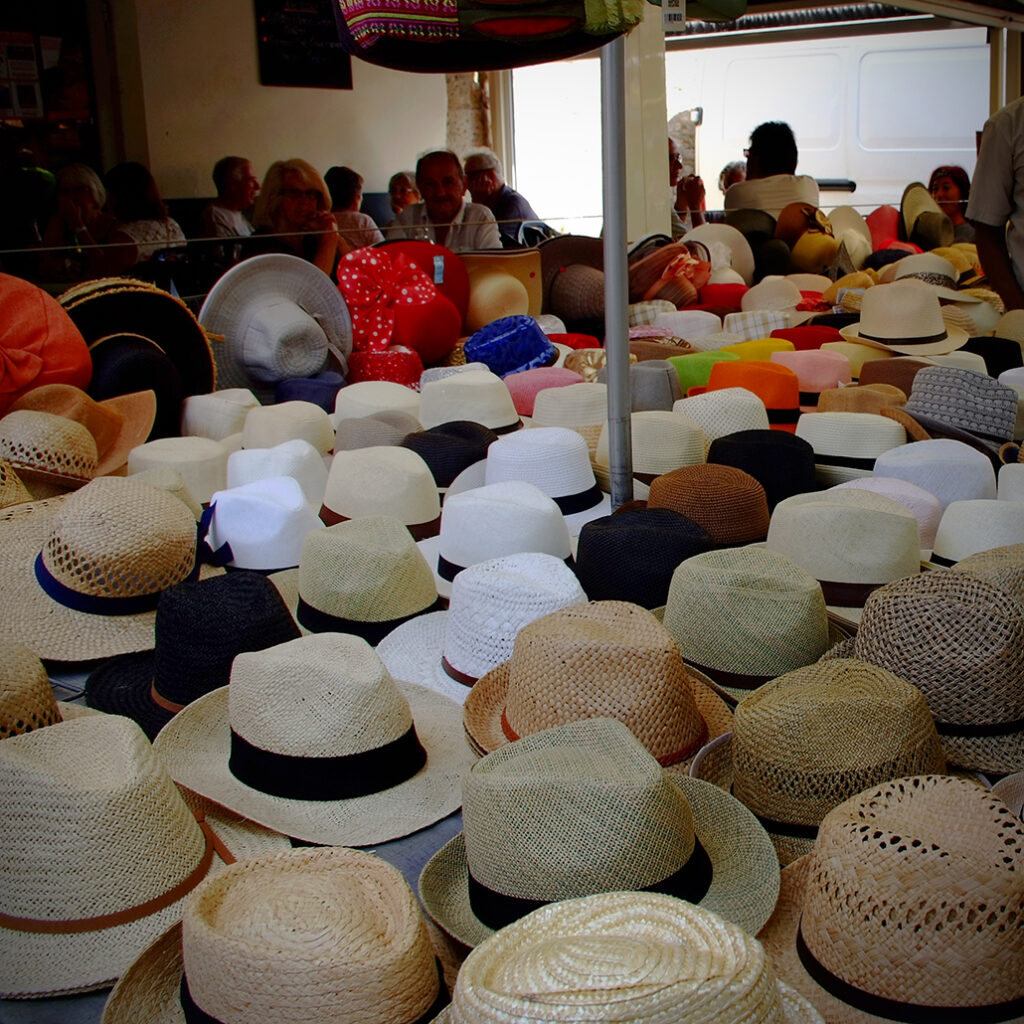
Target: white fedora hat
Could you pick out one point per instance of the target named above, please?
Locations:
(201, 462)
(846, 444)
(725, 411)
(925, 506)
(580, 407)
(270, 425)
(296, 458)
(970, 527)
(367, 397)
(476, 395)
(951, 470)
(217, 415)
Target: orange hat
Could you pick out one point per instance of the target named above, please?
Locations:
(777, 386)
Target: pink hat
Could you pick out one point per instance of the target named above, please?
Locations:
(817, 371)
(525, 386)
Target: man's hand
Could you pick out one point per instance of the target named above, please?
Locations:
(690, 193)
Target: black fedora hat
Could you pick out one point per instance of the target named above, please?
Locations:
(782, 463)
(451, 447)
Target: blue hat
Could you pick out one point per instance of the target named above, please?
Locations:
(321, 390)
(510, 345)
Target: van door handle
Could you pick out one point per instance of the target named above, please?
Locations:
(836, 185)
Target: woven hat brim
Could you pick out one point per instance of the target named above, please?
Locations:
(195, 747)
(956, 337)
(256, 279)
(148, 990)
(55, 633)
(413, 651)
(139, 412)
(486, 702)
(745, 869)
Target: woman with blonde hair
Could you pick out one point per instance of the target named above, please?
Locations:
(293, 214)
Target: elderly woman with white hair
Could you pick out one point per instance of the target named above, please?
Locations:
(78, 227)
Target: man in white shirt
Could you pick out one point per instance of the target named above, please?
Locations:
(237, 188)
(444, 216)
(771, 183)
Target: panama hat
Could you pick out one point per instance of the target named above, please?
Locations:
(776, 293)
(370, 759)
(724, 411)
(922, 220)
(850, 541)
(377, 428)
(83, 574)
(492, 521)
(12, 490)
(1010, 482)
(117, 425)
(343, 920)
(951, 470)
(166, 479)
(200, 627)
(926, 507)
(374, 396)
(90, 885)
(970, 527)
(688, 323)
(848, 444)
(660, 441)
(201, 462)
(297, 459)
(476, 395)
(859, 725)
(583, 808)
(269, 425)
(364, 576)
(27, 701)
(603, 950)
(217, 415)
(580, 407)
(782, 463)
(935, 271)
(383, 480)
(777, 386)
(743, 616)
(903, 317)
(260, 525)
(725, 241)
(280, 318)
(957, 637)
(860, 355)
(938, 940)
(51, 454)
(450, 448)
(448, 651)
(113, 310)
(583, 662)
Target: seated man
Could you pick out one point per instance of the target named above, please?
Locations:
(444, 216)
(237, 188)
(487, 187)
(772, 182)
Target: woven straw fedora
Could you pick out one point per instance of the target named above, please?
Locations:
(217, 415)
(201, 462)
(724, 412)
(1010, 789)
(100, 851)
(26, 696)
(369, 759)
(364, 576)
(297, 459)
(960, 639)
(581, 809)
(660, 442)
(743, 616)
(847, 444)
(383, 480)
(904, 317)
(51, 454)
(580, 407)
(970, 527)
(476, 395)
(860, 397)
(642, 957)
(343, 921)
(776, 293)
(373, 396)
(83, 574)
(117, 425)
(951, 470)
(583, 662)
(1002, 566)
(813, 737)
(200, 627)
(938, 861)
(269, 425)
(491, 601)
(12, 490)
(279, 318)
(926, 507)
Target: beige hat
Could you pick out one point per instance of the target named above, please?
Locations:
(50, 453)
(580, 407)
(202, 462)
(813, 737)
(1002, 566)
(475, 395)
(1010, 789)
(970, 527)
(385, 480)
(724, 411)
(582, 809)
(82, 574)
(661, 441)
(367, 397)
(100, 850)
(728, 247)
(640, 957)
(775, 293)
(27, 700)
(269, 425)
(317, 741)
(846, 444)
(860, 398)
(329, 934)
(583, 662)
(217, 415)
(907, 908)
(12, 490)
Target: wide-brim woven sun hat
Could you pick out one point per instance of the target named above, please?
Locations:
(639, 956)
(51, 454)
(342, 920)
(582, 662)
(1010, 789)
(83, 574)
(582, 809)
(938, 859)
(847, 444)
(12, 488)
(89, 884)
(1002, 566)
(339, 703)
(279, 319)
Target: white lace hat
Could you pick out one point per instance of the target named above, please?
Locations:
(296, 458)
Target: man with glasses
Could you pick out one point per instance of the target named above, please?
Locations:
(487, 186)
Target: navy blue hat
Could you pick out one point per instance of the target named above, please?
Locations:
(321, 390)
(510, 345)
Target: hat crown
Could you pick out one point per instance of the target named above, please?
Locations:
(915, 886)
(218, 414)
(26, 696)
(476, 395)
(47, 443)
(951, 470)
(344, 921)
(12, 490)
(281, 340)
(323, 695)
(578, 405)
(661, 441)
(977, 525)
(382, 480)
(965, 399)
(724, 411)
(269, 425)
(893, 312)
(555, 459)
(573, 810)
(583, 661)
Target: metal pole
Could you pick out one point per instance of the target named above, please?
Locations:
(616, 280)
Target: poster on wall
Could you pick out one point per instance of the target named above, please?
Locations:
(20, 95)
(297, 43)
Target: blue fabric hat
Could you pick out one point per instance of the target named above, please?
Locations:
(510, 345)
(321, 390)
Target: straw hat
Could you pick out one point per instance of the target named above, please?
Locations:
(117, 425)
(526, 385)
(743, 616)
(777, 386)
(643, 957)
(279, 318)
(816, 371)
(297, 459)
(848, 444)
(343, 921)
(778, 294)
(871, 398)
(903, 317)
(269, 425)
(851, 541)
(694, 368)
(970, 527)
(860, 355)
(813, 737)
(1002, 566)
(83, 574)
(491, 601)
(200, 627)
(326, 706)
(926, 507)
(938, 861)
(12, 490)
(1010, 789)
(217, 415)
(364, 576)
(583, 662)
(782, 463)
(580, 407)
(583, 809)
(641, 314)
(27, 701)
(899, 371)
(951, 470)
(960, 639)
(724, 411)
(374, 396)
(922, 220)
(660, 442)
(730, 504)
(90, 884)
(201, 462)
(687, 323)
(52, 454)
(476, 395)
(759, 350)
(653, 384)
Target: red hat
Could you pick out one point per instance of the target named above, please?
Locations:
(807, 336)
(884, 224)
(395, 363)
(39, 343)
(575, 340)
(441, 265)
